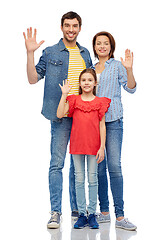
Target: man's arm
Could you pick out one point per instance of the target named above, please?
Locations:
(31, 46)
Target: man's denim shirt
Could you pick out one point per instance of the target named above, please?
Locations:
(53, 64)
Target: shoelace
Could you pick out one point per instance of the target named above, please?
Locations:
(126, 220)
(98, 215)
(54, 216)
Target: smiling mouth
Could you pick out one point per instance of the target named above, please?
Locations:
(71, 35)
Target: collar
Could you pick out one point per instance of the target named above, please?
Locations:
(106, 63)
(62, 46)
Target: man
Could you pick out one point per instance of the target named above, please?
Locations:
(64, 60)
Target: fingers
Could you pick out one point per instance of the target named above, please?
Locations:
(24, 35)
(29, 33)
(40, 43)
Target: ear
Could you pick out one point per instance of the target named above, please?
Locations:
(61, 28)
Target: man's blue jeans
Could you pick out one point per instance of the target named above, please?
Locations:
(114, 136)
(79, 164)
(60, 135)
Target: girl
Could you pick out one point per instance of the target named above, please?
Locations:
(87, 139)
(112, 75)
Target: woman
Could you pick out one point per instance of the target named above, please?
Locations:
(112, 74)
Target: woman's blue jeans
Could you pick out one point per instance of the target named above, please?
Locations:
(114, 136)
(79, 164)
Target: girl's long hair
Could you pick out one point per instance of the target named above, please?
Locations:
(91, 71)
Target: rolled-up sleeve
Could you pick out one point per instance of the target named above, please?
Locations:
(41, 66)
(122, 76)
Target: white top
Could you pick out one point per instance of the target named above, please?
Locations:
(98, 80)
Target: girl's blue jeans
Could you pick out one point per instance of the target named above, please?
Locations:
(79, 164)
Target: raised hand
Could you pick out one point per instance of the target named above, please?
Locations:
(128, 63)
(65, 88)
(30, 41)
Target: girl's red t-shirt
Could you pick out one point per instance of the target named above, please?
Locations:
(85, 132)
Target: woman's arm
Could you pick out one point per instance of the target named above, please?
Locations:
(128, 63)
(100, 153)
(63, 106)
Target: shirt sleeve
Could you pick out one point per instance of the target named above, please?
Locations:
(122, 76)
(71, 99)
(105, 104)
(41, 66)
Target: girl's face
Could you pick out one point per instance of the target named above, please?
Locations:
(102, 46)
(87, 82)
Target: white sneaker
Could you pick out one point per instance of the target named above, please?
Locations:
(101, 218)
(54, 221)
(125, 224)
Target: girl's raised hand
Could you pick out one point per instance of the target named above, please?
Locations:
(65, 88)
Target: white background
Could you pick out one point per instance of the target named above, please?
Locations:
(25, 133)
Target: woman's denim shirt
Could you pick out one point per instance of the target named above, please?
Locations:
(53, 64)
(111, 79)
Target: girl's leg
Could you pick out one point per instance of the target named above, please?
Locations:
(114, 135)
(93, 183)
(79, 164)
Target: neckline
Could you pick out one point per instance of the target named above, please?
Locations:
(86, 101)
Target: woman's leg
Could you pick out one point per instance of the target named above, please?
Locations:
(79, 164)
(114, 135)
(103, 186)
(93, 183)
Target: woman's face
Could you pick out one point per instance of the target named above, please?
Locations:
(102, 46)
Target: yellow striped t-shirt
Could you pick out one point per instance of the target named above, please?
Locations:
(76, 66)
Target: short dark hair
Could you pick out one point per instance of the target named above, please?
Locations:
(112, 43)
(71, 15)
(91, 71)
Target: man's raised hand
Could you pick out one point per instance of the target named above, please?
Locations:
(30, 40)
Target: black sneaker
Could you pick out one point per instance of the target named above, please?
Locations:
(82, 222)
(92, 222)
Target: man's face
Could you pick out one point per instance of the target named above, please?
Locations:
(70, 29)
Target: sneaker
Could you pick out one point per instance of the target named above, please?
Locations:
(54, 221)
(75, 215)
(125, 224)
(82, 222)
(92, 221)
(102, 218)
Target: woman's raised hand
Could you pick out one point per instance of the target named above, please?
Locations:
(65, 88)
(128, 63)
(30, 40)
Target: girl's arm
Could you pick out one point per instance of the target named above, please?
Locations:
(63, 106)
(100, 153)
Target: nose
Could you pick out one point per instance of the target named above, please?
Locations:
(71, 28)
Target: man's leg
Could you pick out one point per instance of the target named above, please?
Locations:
(72, 191)
(60, 134)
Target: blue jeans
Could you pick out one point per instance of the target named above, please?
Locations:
(114, 136)
(79, 164)
(60, 135)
